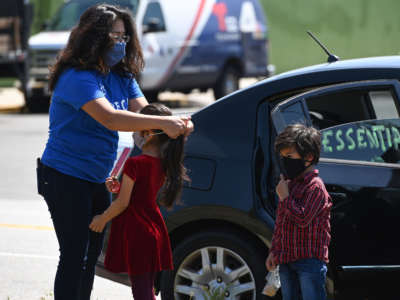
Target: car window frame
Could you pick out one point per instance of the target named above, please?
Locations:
(163, 25)
(279, 123)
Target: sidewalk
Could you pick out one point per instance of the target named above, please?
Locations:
(11, 99)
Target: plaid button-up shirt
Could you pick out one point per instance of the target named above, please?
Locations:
(302, 227)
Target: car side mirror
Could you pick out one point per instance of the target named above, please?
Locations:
(153, 25)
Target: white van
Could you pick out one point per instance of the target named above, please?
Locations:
(187, 44)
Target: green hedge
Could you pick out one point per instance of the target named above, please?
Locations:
(43, 10)
(355, 28)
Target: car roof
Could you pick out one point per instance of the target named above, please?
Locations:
(379, 62)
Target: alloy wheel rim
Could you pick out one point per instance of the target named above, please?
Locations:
(214, 273)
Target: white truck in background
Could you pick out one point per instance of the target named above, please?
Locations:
(15, 23)
(187, 45)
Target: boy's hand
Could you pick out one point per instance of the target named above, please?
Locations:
(97, 224)
(113, 185)
(282, 189)
(270, 263)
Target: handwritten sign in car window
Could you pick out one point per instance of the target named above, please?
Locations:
(370, 140)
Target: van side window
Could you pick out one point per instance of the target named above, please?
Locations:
(153, 20)
(352, 106)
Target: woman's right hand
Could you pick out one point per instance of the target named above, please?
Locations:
(175, 126)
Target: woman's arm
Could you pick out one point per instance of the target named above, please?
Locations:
(136, 104)
(120, 120)
(117, 206)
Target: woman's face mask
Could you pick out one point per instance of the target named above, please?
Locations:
(115, 54)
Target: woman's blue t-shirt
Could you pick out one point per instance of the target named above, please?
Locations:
(78, 145)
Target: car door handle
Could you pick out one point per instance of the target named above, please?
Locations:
(339, 199)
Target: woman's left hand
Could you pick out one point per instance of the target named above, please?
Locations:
(97, 224)
(189, 127)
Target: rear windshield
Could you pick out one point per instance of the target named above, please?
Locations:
(69, 13)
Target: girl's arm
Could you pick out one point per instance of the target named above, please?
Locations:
(117, 206)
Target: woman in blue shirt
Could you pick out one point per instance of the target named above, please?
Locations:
(95, 94)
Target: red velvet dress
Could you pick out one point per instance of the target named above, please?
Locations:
(139, 241)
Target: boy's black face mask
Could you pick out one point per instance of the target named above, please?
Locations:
(292, 167)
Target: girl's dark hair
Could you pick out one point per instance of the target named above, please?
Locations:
(306, 140)
(172, 153)
(89, 42)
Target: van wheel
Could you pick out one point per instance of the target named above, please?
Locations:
(215, 263)
(227, 83)
(38, 104)
(151, 96)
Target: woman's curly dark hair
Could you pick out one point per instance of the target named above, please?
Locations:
(89, 42)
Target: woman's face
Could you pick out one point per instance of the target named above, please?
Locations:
(118, 33)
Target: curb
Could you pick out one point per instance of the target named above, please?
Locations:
(11, 99)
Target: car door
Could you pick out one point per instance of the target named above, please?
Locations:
(360, 165)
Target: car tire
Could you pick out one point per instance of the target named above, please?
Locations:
(151, 96)
(227, 83)
(234, 265)
(38, 104)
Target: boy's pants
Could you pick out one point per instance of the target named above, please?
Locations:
(303, 279)
(72, 203)
(142, 286)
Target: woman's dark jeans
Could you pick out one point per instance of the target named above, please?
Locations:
(72, 203)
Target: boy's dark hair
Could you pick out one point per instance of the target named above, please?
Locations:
(306, 140)
(172, 154)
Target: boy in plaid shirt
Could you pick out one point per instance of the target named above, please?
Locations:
(302, 229)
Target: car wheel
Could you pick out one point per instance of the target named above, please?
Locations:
(151, 96)
(227, 83)
(37, 104)
(215, 265)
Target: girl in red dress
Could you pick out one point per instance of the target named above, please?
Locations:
(139, 244)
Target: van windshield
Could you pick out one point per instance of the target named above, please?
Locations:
(69, 13)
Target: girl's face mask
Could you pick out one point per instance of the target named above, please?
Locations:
(141, 140)
(138, 140)
(115, 54)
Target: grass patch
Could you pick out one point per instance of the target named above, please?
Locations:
(349, 29)
(7, 82)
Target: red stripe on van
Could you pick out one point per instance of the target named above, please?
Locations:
(185, 44)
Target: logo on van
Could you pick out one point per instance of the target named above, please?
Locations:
(220, 11)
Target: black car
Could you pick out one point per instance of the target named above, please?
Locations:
(221, 234)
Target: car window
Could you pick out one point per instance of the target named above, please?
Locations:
(69, 13)
(154, 11)
(383, 104)
(351, 106)
(370, 141)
